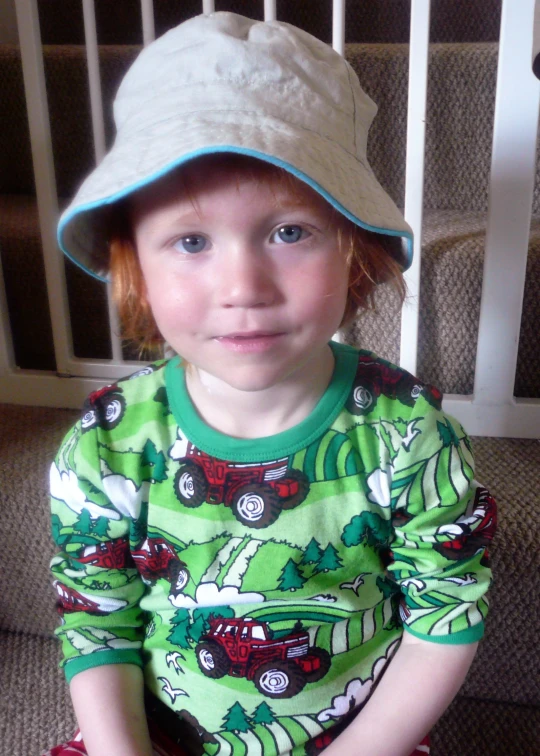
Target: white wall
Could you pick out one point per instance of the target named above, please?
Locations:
(8, 24)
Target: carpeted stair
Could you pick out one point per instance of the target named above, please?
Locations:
(498, 711)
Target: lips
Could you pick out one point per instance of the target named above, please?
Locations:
(249, 335)
(250, 341)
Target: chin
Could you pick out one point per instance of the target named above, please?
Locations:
(251, 382)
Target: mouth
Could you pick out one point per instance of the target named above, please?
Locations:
(249, 335)
(250, 341)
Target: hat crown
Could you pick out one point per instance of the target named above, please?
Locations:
(226, 83)
(226, 63)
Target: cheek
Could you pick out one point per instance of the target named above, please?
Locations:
(174, 304)
(322, 290)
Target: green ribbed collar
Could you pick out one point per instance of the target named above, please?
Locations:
(271, 447)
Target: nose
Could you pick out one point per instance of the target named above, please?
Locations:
(245, 279)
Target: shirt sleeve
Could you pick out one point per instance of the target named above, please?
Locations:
(443, 521)
(97, 584)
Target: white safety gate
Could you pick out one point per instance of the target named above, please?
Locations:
(492, 410)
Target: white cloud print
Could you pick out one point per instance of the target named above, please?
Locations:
(356, 691)
(209, 594)
(124, 494)
(179, 448)
(65, 487)
(379, 484)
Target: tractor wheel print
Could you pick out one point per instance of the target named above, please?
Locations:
(256, 505)
(190, 484)
(212, 660)
(325, 661)
(179, 577)
(89, 420)
(279, 679)
(303, 489)
(114, 409)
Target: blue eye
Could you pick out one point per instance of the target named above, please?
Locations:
(190, 244)
(288, 234)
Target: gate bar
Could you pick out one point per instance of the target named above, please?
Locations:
(270, 10)
(7, 354)
(147, 15)
(98, 131)
(510, 207)
(338, 26)
(414, 175)
(44, 177)
(94, 79)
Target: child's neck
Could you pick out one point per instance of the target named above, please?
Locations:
(258, 414)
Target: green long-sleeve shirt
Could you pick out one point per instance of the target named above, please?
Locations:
(264, 584)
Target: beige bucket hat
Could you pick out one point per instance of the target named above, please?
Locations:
(225, 83)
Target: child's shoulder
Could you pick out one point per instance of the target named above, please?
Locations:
(142, 375)
(379, 381)
(106, 407)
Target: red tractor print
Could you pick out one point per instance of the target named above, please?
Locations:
(155, 558)
(104, 408)
(318, 744)
(110, 554)
(256, 492)
(377, 377)
(477, 529)
(70, 600)
(280, 667)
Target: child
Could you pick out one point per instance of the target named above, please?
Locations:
(280, 534)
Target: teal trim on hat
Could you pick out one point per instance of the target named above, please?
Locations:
(217, 150)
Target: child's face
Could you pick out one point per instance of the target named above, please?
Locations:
(244, 277)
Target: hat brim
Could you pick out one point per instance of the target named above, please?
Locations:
(145, 157)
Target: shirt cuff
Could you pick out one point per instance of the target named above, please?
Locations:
(471, 635)
(100, 659)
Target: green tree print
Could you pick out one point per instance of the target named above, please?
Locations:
(161, 397)
(330, 560)
(56, 525)
(291, 578)
(263, 714)
(387, 587)
(447, 434)
(153, 463)
(236, 719)
(367, 526)
(83, 523)
(179, 634)
(101, 527)
(312, 553)
(137, 528)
